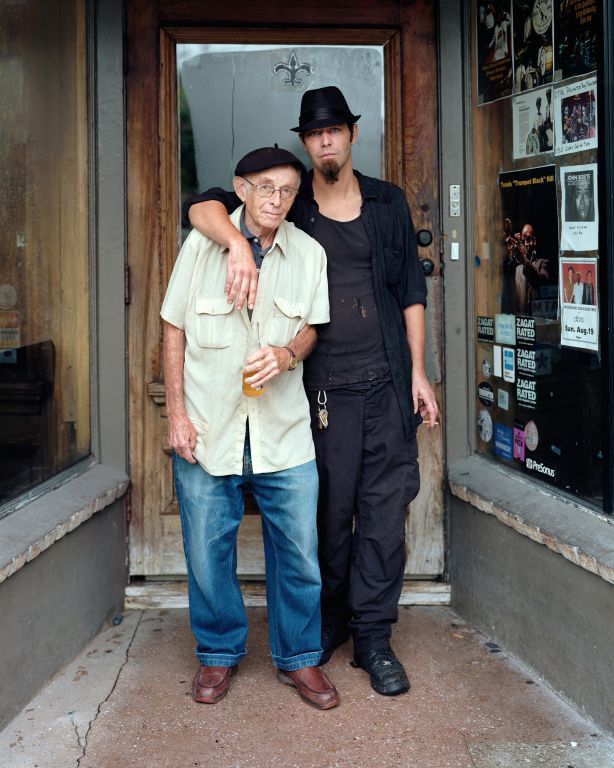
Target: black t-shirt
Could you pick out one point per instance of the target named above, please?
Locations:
(350, 349)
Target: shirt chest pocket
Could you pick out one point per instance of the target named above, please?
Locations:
(287, 318)
(213, 322)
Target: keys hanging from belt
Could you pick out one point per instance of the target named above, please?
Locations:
(322, 412)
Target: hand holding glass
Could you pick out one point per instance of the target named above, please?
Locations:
(252, 349)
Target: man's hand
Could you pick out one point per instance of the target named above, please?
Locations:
(424, 399)
(211, 219)
(265, 364)
(182, 436)
(242, 276)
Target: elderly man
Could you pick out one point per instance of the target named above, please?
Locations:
(228, 434)
(365, 381)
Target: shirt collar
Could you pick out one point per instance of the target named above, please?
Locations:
(281, 236)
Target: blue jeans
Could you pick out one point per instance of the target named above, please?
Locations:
(211, 509)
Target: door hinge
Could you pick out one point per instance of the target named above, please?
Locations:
(128, 504)
(127, 287)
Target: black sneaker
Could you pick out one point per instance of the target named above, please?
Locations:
(330, 641)
(387, 674)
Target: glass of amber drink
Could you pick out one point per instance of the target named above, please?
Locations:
(253, 347)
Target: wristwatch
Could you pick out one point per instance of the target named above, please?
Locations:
(293, 359)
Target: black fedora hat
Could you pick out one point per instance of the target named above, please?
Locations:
(322, 107)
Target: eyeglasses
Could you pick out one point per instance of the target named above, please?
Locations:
(268, 190)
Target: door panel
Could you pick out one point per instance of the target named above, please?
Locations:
(409, 158)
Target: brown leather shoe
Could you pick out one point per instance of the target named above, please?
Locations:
(313, 686)
(210, 684)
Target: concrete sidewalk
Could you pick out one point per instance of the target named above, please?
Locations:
(125, 703)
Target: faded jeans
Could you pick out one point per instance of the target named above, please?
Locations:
(211, 509)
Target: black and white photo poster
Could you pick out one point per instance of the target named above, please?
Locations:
(532, 115)
(579, 213)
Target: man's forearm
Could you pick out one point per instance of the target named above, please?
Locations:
(416, 335)
(174, 353)
(212, 220)
(303, 343)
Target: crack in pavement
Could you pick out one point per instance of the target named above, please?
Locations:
(83, 740)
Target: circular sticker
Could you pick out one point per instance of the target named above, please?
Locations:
(531, 436)
(485, 425)
(486, 368)
(486, 393)
(8, 296)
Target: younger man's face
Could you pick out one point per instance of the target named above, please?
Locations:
(330, 148)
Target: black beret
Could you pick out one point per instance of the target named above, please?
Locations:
(267, 157)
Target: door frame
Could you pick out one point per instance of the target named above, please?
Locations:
(154, 223)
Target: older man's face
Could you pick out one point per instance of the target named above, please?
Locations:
(263, 214)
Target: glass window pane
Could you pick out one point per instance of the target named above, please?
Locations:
(235, 98)
(536, 240)
(44, 302)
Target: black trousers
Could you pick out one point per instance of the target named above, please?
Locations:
(368, 475)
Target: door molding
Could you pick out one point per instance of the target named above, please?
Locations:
(408, 34)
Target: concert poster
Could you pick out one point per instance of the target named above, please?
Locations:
(575, 114)
(533, 123)
(529, 244)
(494, 49)
(533, 44)
(579, 296)
(576, 36)
(579, 208)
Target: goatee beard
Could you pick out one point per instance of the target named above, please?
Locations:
(330, 171)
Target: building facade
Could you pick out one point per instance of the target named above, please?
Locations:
(493, 117)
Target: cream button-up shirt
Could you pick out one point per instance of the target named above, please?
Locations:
(292, 292)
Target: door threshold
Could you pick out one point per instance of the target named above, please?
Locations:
(174, 594)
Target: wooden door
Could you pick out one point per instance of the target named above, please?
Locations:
(406, 30)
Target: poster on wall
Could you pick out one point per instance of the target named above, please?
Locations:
(579, 212)
(533, 125)
(533, 44)
(579, 297)
(576, 37)
(494, 49)
(575, 113)
(529, 243)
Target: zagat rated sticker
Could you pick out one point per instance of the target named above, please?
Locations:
(525, 330)
(526, 392)
(525, 361)
(486, 329)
